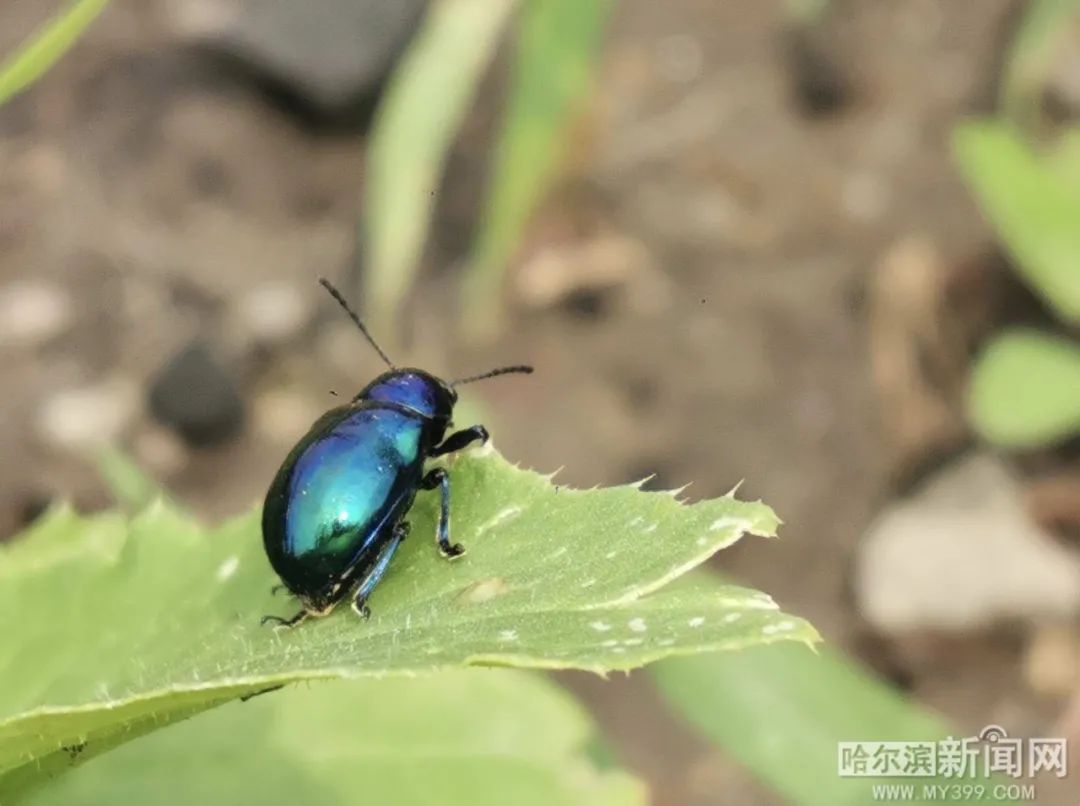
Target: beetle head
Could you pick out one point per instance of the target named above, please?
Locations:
(414, 389)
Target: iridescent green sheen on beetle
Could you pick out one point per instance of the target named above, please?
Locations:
(335, 512)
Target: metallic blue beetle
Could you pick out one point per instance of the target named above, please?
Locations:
(334, 513)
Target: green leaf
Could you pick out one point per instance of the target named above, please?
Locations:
(1025, 389)
(481, 737)
(416, 124)
(113, 628)
(30, 62)
(813, 702)
(557, 45)
(1042, 30)
(1033, 201)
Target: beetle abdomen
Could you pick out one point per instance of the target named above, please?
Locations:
(338, 496)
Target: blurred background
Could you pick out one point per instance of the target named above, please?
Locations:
(831, 249)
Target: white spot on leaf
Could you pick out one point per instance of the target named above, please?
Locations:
(500, 517)
(506, 636)
(731, 618)
(779, 627)
(637, 625)
(600, 626)
(228, 568)
(696, 621)
(485, 590)
(728, 521)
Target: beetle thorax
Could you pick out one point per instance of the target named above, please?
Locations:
(418, 391)
(414, 389)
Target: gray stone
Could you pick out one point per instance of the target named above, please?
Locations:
(330, 53)
(963, 553)
(272, 314)
(198, 398)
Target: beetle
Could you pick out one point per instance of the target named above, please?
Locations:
(335, 512)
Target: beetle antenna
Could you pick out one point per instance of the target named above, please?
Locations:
(523, 369)
(356, 319)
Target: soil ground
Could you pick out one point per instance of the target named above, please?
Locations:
(158, 188)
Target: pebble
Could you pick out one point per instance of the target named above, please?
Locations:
(1052, 661)
(33, 312)
(602, 264)
(197, 397)
(273, 314)
(962, 553)
(327, 53)
(88, 416)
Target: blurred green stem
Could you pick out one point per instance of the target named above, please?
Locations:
(557, 45)
(425, 104)
(45, 48)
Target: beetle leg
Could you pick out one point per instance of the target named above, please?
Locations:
(439, 478)
(461, 439)
(359, 606)
(278, 621)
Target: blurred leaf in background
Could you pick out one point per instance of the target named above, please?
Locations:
(781, 712)
(1033, 202)
(45, 48)
(558, 44)
(422, 111)
(1030, 56)
(477, 736)
(139, 623)
(1025, 389)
